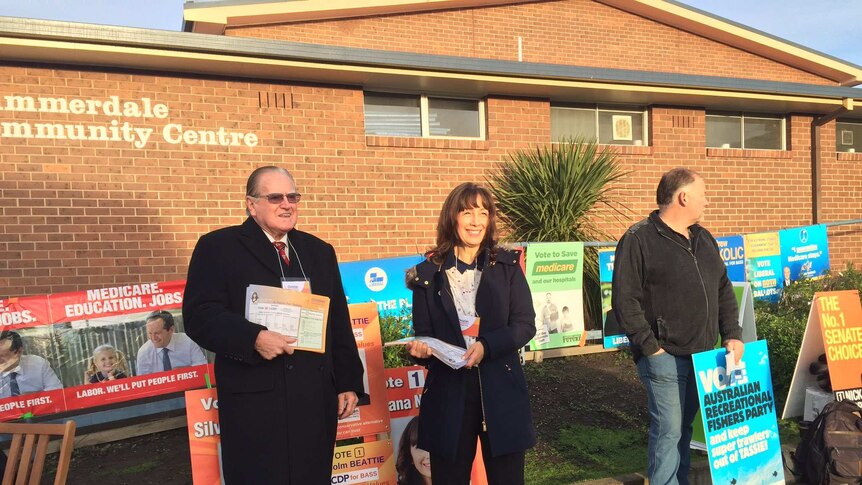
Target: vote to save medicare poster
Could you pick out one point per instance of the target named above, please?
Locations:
(555, 275)
(738, 413)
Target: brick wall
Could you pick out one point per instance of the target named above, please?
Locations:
(571, 32)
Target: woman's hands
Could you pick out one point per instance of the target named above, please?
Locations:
(474, 355)
(418, 349)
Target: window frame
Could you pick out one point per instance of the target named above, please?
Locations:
(838, 136)
(424, 119)
(602, 108)
(742, 116)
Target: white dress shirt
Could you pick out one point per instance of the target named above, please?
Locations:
(182, 352)
(33, 374)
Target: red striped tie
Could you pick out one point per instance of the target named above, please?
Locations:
(279, 246)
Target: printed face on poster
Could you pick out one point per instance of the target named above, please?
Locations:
(404, 390)
(555, 276)
(738, 414)
(85, 347)
(804, 253)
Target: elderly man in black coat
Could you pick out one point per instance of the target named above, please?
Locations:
(278, 408)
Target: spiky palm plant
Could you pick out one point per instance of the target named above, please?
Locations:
(546, 193)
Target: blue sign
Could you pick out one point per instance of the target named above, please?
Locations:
(738, 414)
(804, 253)
(613, 333)
(606, 265)
(380, 281)
(732, 250)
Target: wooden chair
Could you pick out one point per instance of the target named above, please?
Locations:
(28, 449)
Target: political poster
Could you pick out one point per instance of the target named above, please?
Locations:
(371, 462)
(612, 331)
(404, 386)
(29, 384)
(738, 414)
(108, 354)
(804, 253)
(840, 317)
(742, 292)
(763, 265)
(732, 251)
(380, 281)
(80, 349)
(555, 276)
(372, 414)
(833, 330)
(204, 436)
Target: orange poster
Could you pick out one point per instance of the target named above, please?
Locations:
(204, 438)
(371, 463)
(372, 413)
(840, 316)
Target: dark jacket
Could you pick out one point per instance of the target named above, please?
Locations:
(672, 293)
(507, 322)
(278, 417)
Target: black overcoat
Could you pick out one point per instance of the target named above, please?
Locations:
(278, 418)
(507, 322)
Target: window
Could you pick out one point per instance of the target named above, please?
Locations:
(748, 131)
(423, 116)
(609, 126)
(848, 137)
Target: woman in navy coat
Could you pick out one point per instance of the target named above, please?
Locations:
(472, 293)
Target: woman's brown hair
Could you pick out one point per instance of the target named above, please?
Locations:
(464, 196)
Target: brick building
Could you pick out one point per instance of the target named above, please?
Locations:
(120, 146)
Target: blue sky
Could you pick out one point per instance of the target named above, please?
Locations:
(829, 26)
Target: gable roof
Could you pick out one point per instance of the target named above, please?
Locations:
(214, 17)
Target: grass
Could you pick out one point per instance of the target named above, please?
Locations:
(587, 453)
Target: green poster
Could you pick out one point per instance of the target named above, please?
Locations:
(555, 274)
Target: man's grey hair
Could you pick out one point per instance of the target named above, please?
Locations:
(251, 185)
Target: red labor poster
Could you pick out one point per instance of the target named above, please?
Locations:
(371, 415)
(29, 383)
(112, 344)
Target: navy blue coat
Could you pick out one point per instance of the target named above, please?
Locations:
(507, 323)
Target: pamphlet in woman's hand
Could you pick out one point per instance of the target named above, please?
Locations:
(449, 354)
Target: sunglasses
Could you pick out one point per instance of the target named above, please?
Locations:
(293, 197)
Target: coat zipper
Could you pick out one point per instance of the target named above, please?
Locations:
(697, 267)
(482, 400)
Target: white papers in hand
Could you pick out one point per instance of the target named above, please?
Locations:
(449, 354)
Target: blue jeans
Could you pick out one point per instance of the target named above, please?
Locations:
(672, 400)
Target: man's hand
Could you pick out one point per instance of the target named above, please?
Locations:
(660, 351)
(346, 404)
(474, 355)
(735, 346)
(272, 344)
(418, 349)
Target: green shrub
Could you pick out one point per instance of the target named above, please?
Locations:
(394, 327)
(782, 324)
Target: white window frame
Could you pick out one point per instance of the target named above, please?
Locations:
(424, 119)
(742, 117)
(611, 109)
